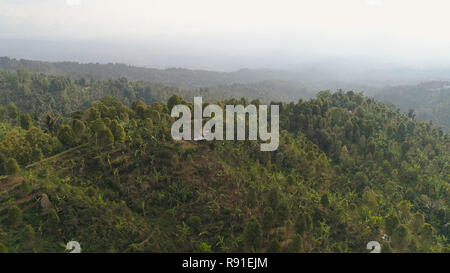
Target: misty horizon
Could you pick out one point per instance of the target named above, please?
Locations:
(356, 35)
(156, 57)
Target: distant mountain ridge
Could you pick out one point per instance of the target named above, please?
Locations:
(175, 76)
(180, 77)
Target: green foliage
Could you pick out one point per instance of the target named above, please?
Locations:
(12, 111)
(400, 237)
(11, 167)
(2, 163)
(118, 131)
(204, 248)
(53, 219)
(24, 189)
(427, 235)
(404, 208)
(386, 248)
(66, 136)
(417, 222)
(274, 247)
(252, 235)
(324, 200)
(29, 233)
(251, 197)
(303, 223)
(268, 219)
(2, 113)
(295, 245)
(430, 101)
(15, 216)
(3, 248)
(370, 199)
(25, 121)
(173, 101)
(391, 223)
(79, 128)
(194, 222)
(105, 137)
(348, 169)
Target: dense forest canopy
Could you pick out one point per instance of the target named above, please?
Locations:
(428, 100)
(94, 161)
(38, 93)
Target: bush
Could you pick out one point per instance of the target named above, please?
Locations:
(427, 235)
(251, 198)
(417, 222)
(296, 244)
(12, 167)
(2, 163)
(15, 216)
(274, 247)
(204, 247)
(268, 218)
(253, 234)
(118, 132)
(28, 233)
(303, 223)
(194, 222)
(400, 237)
(391, 224)
(78, 128)
(25, 121)
(66, 136)
(386, 248)
(106, 137)
(53, 219)
(24, 189)
(3, 248)
(324, 200)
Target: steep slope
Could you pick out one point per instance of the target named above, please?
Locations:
(348, 171)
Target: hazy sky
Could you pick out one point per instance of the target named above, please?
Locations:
(397, 31)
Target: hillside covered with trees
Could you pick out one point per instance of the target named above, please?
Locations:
(94, 162)
(429, 101)
(41, 94)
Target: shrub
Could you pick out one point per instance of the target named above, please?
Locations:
(24, 189)
(3, 248)
(194, 222)
(15, 216)
(66, 136)
(12, 167)
(400, 237)
(274, 247)
(204, 247)
(296, 244)
(253, 234)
